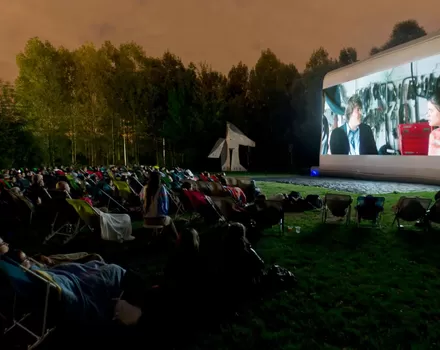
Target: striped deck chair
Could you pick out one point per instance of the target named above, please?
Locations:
(34, 295)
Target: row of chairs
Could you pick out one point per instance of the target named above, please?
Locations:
(370, 208)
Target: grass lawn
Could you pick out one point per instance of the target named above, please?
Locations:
(358, 288)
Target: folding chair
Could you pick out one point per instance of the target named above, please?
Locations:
(31, 287)
(100, 191)
(180, 210)
(338, 205)
(433, 214)
(156, 229)
(410, 209)
(90, 217)
(66, 221)
(370, 208)
(278, 205)
(20, 207)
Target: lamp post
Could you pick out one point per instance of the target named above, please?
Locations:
(125, 150)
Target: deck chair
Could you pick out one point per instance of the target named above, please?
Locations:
(180, 210)
(204, 207)
(410, 209)
(433, 214)
(123, 188)
(90, 217)
(112, 204)
(38, 293)
(338, 205)
(369, 208)
(279, 206)
(21, 207)
(66, 221)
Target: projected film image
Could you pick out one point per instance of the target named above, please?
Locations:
(393, 112)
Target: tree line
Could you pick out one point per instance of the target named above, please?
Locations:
(102, 105)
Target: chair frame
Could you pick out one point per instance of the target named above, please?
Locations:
(68, 230)
(378, 221)
(325, 209)
(418, 199)
(45, 330)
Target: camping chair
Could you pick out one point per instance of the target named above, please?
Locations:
(410, 209)
(433, 214)
(91, 217)
(19, 206)
(280, 207)
(66, 221)
(98, 191)
(207, 209)
(370, 208)
(31, 287)
(180, 210)
(339, 205)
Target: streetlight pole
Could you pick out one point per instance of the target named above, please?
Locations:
(125, 151)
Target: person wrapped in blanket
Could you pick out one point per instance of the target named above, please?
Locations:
(87, 286)
(156, 206)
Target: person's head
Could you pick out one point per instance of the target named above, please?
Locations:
(353, 111)
(63, 186)
(434, 109)
(38, 180)
(152, 188)
(154, 180)
(4, 247)
(20, 257)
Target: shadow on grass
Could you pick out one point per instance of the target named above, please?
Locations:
(336, 236)
(420, 246)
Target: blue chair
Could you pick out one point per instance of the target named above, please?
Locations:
(32, 287)
(370, 208)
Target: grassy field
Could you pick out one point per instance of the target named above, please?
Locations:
(358, 288)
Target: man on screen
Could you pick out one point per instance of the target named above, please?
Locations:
(353, 137)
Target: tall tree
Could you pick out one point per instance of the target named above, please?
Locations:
(270, 89)
(402, 33)
(237, 95)
(347, 55)
(43, 92)
(18, 147)
(91, 109)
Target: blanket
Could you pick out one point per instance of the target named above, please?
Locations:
(87, 289)
(115, 227)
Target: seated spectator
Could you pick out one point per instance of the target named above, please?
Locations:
(64, 186)
(156, 205)
(36, 192)
(87, 289)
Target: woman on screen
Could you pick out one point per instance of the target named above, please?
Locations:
(434, 121)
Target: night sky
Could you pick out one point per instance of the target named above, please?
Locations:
(219, 32)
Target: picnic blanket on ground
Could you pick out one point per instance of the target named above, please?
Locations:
(87, 289)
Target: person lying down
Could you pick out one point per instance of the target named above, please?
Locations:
(87, 290)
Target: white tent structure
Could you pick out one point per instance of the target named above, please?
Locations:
(227, 148)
